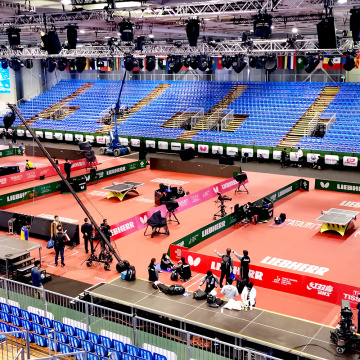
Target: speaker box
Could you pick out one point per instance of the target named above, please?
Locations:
(226, 160)
(355, 24)
(187, 154)
(326, 34)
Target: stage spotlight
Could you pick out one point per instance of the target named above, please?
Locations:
(150, 63)
(139, 63)
(13, 36)
(15, 64)
(176, 63)
(270, 63)
(313, 62)
(9, 119)
(226, 61)
(51, 42)
(262, 25)
(80, 64)
(194, 62)
(129, 62)
(253, 60)
(193, 31)
(28, 63)
(331, 62)
(238, 64)
(203, 62)
(187, 61)
(4, 64)
(99, 63)
(349, 62)
(126, 31)
(50, 64)
(71, 35)
(62, 64)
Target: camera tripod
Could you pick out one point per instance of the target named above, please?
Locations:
(221, 213)
(237, 190)
(172, 212)
(104, 256)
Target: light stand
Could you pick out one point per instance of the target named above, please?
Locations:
(241, 178)
(92, 220)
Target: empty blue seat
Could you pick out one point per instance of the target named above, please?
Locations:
(132, 350)
(26, 324)
(74, 341)
(94, 338)
(28, 335)
(35, 318)
(54, 345)
(46, 322)
(81, 334)
(38, 329)
(93, 357)
(68, 329)
(106, 341)
(25, 314)
(159, 357)
(15, 320)
(62, 337)
(145, 354)
(100, 350)
(125, 356)
(15, 311)
(87, 345)
(64, 348)
(40, 340)
(59, 326)
(119, 346)
(5, 307)
(4, 316)
(4, 327)
(115, 355)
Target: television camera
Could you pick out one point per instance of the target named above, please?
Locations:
(221, 199)
(344, 336)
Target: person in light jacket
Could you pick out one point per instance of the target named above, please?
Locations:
(248, 296)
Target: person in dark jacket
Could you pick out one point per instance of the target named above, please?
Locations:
(36, 278)
(86, 230)
(67, 167)
(183, 270)
(153, 271)
(211, 280)
(226, 267)
(59, 245)
(245, 261)
(166, 263)
(283, 158)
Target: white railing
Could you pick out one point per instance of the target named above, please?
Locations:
(312, 125)
(330, 122)
(227, 119)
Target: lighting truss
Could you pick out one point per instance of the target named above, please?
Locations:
(257, 47)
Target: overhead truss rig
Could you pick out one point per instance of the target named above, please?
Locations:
(257, 47)
(169, 12)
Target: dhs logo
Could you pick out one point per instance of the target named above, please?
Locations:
(3, 181)
(324, 290)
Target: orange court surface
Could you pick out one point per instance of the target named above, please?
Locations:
(299, 239)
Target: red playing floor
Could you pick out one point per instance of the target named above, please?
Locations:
(299, 240)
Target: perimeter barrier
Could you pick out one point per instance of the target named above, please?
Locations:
(175, 343)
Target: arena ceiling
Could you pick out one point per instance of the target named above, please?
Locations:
(222, 24)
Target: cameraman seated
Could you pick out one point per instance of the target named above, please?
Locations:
(183, 270)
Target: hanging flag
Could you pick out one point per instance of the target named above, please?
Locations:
(87, 66)
(337, 65)
(300, 62)
(213, 63)
(280, 62)
(218, 63)
(357, 60)
(105, 67)
(158, 67)
(320, 66)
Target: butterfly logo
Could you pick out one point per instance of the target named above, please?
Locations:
(193, 262)
(203, 148)
(324, 185)
(143, 220)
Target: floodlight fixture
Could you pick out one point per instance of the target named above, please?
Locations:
(150, 63)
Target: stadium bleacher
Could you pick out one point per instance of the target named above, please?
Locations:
(273, 108)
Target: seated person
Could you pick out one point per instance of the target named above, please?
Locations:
(318, 163)
(180, 192)
(248, 296)
(29, 165)
(166, 263)
(162, 188)
(183, 270)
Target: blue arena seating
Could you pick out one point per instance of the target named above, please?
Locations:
(273, 109)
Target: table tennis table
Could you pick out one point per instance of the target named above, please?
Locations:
(337, 220)
(120, 190)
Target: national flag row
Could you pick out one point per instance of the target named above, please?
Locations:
(289, 62)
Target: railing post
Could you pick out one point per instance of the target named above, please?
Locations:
(188, 345)
(45, 302)
(135, 330)
(27, 345)
(87, 317)
(6, 291)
